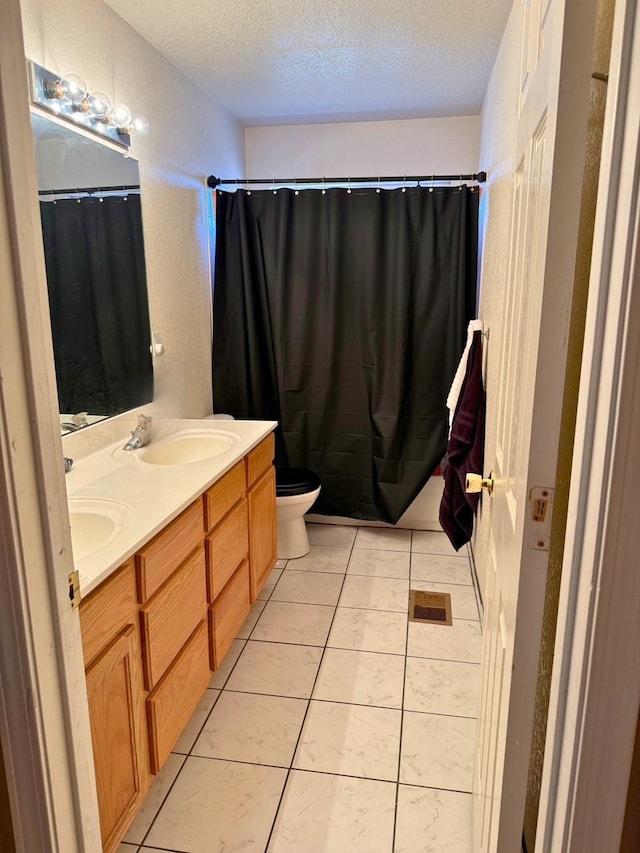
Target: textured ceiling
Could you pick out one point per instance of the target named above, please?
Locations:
(295, 61)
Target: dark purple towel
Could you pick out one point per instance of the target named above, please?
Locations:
(465, 451)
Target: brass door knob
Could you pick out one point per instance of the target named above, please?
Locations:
(476, 483)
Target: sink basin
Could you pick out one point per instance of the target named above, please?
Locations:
(187, 446)
(95, 522)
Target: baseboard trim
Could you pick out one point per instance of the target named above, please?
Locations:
(403, 524)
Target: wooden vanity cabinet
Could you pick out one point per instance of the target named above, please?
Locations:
(113, 667)
(261, 497)
(154, 629)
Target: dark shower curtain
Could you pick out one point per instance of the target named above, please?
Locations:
(94, 254)
(342, 315)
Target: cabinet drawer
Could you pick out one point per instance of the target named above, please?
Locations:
(106, 611)
(169, 619)
(162, 556)
(170, 706)
(223, 495)
(227, 615)
(226, 548)
(260, 459)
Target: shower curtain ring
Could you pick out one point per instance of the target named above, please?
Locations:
(349, 187)
(379, 182)
(324, 192)
(404, 184)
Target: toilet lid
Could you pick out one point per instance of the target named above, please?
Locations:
(295, 481)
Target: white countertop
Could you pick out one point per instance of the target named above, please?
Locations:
(145, 497)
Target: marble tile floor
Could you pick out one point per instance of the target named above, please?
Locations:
(334, 724)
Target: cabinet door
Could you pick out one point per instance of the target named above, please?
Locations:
(116, 711)
(262, 530)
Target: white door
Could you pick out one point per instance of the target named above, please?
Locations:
(553, 98)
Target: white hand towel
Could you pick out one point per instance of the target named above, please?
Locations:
(458, 379)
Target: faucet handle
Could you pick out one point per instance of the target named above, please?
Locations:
(141, 435)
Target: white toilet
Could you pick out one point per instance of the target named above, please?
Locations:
(296, 492)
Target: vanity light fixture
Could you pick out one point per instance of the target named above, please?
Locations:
(141, 125)
(138, 125)
(99, 105)
(70, 87)
(69, 98)
(120, 116)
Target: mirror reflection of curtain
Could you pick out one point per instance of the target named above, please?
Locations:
(94, 255)
(343, 316)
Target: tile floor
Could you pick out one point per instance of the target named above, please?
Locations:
(334, 724)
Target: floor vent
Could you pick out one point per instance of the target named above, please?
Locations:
(431, 607)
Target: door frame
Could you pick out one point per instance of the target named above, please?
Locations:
(44, 720)
(595, 691)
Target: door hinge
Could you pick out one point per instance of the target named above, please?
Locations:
(74, 588)
(538, 524)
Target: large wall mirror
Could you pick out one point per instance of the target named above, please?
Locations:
(94, 253)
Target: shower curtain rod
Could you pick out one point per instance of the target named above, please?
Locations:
(70, 190)
(479, 177)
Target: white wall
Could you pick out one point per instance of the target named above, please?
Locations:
(415, 146)
(189, 139)
(497, 151)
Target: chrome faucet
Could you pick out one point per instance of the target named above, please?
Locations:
(68, 464)
(141, 435)
(77, 422)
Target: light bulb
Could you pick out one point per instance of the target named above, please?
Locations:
(74, 88)
(99, 104)
(141, 125)
(119, 115)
